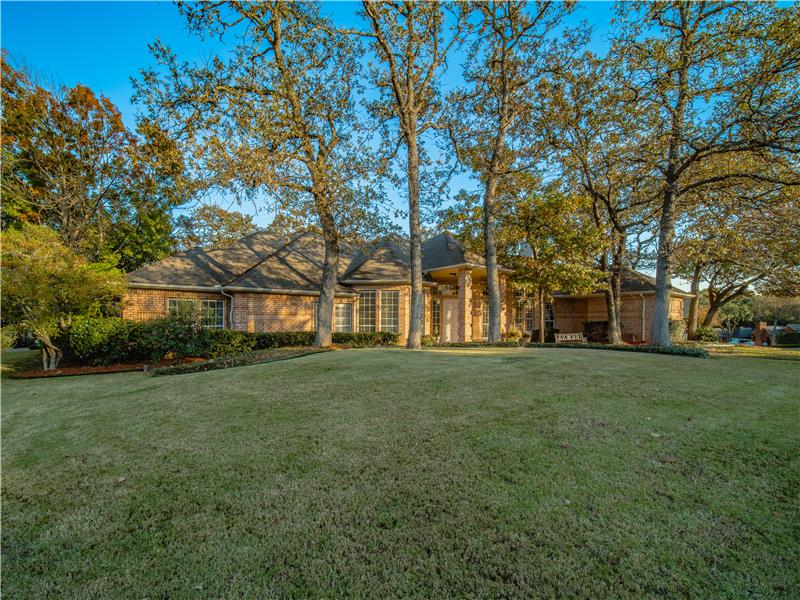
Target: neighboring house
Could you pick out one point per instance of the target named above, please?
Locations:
(267, 283)
(763, 334)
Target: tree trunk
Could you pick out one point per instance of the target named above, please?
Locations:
(713, 309)
(51, 354)
(666, 227)
(694, 304)
(541, 316)
(614, 293)
(666, 233)
(330, 271)
(614, 308)
(416, 320)
(492, 275)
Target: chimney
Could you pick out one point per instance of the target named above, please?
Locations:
(761, 325)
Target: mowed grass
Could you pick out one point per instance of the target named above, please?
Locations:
(384, 473)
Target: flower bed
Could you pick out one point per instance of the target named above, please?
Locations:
(237, 360)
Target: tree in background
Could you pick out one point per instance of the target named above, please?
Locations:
(739, 239)
(72, 165)
(597, 146)
(547, 237)
(410, 41)
(45, 284)
(734, 313)
(716, 79)
(494, 116)
(776, 309)
(274, 116)
(211, 226)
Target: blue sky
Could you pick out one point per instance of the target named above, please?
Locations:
(103, 44)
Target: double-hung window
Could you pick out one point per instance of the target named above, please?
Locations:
(390, 311)
(523, 311)
(343, 317)
(485, 318)
(212, 313)
(366, 311)
(549, 317)
(436, 317)
(178, 306)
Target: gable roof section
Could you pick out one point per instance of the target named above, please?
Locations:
(387, 259)
(296, 268)
(445, 250)
(209, 267)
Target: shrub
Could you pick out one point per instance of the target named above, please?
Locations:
(223, 342)
(671, 350)
(179, 335)
(512, 334)
(238, 360)
(785, 339)
(705, 333)
(8, 336)
(102, 341)
(429, 340)
(677, 330)
(363, 339)
(596, 331)
(479, 345)
(279, 339)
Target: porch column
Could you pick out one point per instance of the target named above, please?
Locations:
(465, 305)
(504, 305)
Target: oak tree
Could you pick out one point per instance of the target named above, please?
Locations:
(716, 79)
(273, 116)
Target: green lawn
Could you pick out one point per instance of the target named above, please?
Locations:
(383, 473)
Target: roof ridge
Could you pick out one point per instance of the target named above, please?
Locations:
(267, 257)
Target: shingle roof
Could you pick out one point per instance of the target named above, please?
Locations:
(387, 259)
(297, 266)
(635, 282)
(445, 250)
(264, 261)
(198, 267)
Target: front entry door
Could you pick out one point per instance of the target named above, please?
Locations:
(449, 321)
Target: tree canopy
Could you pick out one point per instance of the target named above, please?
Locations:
(45, 284)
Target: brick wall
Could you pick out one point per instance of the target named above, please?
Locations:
(273, 312)
(141, 305)
(571, 313)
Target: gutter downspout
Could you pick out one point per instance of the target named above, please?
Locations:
(644, 316)
(230, 315)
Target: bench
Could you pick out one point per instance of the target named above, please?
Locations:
(562, 338)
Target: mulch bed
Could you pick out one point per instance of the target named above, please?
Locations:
(76, 370)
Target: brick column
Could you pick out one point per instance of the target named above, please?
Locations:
(504, 304)
(465, 305)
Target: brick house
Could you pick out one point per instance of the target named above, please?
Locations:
(267, 283)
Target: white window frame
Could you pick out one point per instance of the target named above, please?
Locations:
(348, 311)
(390, 319)
(218, 308)
(367, 309)
(549, 316)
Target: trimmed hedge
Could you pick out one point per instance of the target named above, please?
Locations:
(111, 340)
(362, 339)
(505, 344)
(238, 360)
(671, 350)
